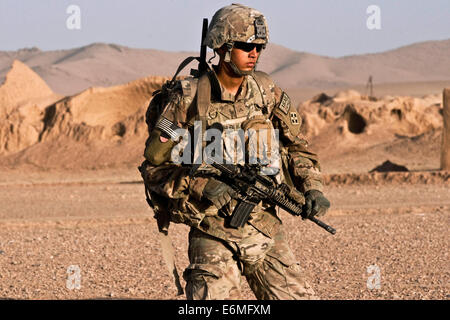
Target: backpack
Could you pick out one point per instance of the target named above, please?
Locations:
(153, 175)
(160, 97)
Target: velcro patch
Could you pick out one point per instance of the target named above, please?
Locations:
(260, 28)
(285, 103)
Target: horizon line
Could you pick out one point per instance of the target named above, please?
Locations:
(35, 48)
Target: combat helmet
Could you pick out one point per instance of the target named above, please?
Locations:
(236, 23)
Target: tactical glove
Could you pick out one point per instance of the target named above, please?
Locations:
(218, 192)
(315, 204)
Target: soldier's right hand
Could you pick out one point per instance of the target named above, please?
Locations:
(315, 204)
(218, 192)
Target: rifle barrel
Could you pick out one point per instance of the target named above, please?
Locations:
(202, 65)
(330, 229)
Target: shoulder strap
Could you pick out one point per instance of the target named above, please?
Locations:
(203, 100)
(203, 96)
(182, 65)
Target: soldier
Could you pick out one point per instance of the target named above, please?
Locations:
(238, 97)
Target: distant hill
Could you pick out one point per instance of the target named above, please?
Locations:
(70, 71)
(421, 62)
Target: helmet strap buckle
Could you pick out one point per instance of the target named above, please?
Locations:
(227, 57)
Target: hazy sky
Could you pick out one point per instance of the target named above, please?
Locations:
(326, 27)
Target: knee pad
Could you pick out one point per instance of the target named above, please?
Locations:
(196, 286)
(198, 280)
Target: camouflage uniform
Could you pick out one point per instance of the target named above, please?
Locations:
(219, 254)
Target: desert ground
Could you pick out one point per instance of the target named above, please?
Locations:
(74, 222)
(100, 222)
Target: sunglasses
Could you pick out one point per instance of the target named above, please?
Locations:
(247, 47)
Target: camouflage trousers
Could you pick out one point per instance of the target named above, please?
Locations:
(268, 265)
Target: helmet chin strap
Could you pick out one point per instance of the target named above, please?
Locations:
(238, 71)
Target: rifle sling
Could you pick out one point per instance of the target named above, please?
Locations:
(183, 65)
(168, 254)
(203, 102)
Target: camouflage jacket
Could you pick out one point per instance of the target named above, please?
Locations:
(175, 193)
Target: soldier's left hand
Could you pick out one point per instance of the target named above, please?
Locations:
(316, 204)
(218, 193)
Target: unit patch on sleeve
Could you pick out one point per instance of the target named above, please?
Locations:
(294, 118)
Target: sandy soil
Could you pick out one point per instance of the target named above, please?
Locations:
(100, 222)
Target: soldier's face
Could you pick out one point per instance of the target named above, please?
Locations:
(244, 60)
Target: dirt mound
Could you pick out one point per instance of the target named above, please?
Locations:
(391, 178)
(21, 85)
(23, 95)
(101, 113)
(354, 133)
(388, 166)
(87, 130)
(350, 112)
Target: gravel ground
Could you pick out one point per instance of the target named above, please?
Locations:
(106, 232)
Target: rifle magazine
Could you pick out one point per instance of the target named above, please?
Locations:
(241, 213)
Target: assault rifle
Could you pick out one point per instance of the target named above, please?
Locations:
(252, 187)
